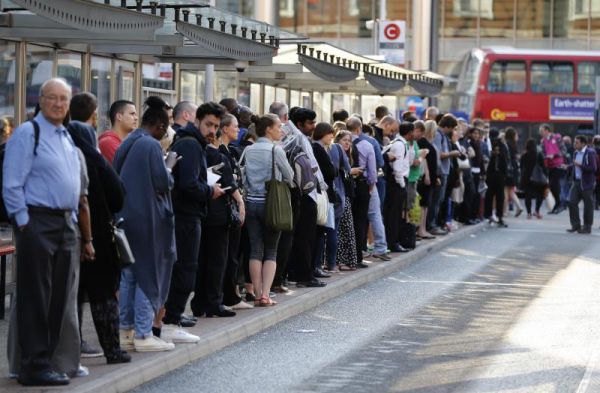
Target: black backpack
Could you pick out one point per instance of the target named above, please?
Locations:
(36, 135)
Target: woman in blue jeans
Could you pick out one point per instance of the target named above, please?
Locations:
(258, 161)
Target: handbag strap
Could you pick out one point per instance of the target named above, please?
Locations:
(273, 163)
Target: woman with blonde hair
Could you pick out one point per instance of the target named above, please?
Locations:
(429, 178)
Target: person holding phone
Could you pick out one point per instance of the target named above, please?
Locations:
(191, 196)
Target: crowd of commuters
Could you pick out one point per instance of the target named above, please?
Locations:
(189, 186)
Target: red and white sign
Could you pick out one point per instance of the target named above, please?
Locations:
(392, 38)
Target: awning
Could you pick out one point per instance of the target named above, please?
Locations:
(175, 30)
(323, 67)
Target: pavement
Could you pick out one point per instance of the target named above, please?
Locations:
(498, 310)
(218, 333)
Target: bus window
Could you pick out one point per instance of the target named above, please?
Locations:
(586, 77)
(548, 77)
(507, 77)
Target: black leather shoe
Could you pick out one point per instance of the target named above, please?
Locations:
(187, 321)
(573, 230)
(119, 357)
(220, 312)
(314, 283)
(319, 273)
(398, 248)
(584, 231)
(44, 378)
(362, 265)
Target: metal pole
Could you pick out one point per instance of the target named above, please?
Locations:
(209, 75)
(597, 111)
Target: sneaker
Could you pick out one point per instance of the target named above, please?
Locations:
(242, 305)
(88, 351)
(82, 371)
(126, 339)
(382, 257)
(152, 344)
(174, 334)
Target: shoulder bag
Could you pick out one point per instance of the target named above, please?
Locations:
(278, 204)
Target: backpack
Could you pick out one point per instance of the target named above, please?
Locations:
(304, 176)
(36, 141)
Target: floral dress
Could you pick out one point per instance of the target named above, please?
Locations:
(346, 252)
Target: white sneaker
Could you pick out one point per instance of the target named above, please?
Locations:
(126, 339)
(152, 344)
(175, 334)
(242, 305)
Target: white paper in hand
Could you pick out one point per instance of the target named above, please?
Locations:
(212, 178)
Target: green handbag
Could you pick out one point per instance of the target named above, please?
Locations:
(278, 204)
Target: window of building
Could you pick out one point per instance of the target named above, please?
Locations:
(101, 74)
(7, 85)
(548, 77)
(583, 9)
(586, 77)
(470, 8)
(507, 77)
(280, 95)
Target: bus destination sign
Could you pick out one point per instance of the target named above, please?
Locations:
(572, 108)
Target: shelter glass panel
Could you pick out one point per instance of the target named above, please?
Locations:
(255, 97)
(269, 97)
(125, 74)
(69, 68)
(192, 86)
(101, 74)
(225, 85)
(370, 102)
(305, 100)
(294, 98)
(281, 94)
(243, 95)
(7, 86)
(40, 68)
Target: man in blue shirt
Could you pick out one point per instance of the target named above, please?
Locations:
(41, 189)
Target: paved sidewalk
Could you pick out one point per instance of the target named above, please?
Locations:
(217, 333)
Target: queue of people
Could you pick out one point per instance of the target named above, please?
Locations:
(141, 218)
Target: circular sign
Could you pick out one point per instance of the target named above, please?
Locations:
(392, 31)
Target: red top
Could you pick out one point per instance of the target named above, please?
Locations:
(108, 143)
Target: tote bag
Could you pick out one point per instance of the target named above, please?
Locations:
(278, 204)
(538, 177)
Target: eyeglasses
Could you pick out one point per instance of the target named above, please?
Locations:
(54, 98)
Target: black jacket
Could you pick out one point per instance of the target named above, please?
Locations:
(218, 209)
(190, 193)
(327, 169)
(100, 278)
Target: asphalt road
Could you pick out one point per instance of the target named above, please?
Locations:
(506, 310)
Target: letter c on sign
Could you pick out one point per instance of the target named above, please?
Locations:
(497, 114)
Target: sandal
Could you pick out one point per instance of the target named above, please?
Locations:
(346, 268)
(266, 301)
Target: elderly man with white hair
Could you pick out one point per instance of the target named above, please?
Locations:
(41, 189)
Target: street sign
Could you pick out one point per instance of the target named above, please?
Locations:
(392, 38)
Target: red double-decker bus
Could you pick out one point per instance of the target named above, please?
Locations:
(525, 87)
